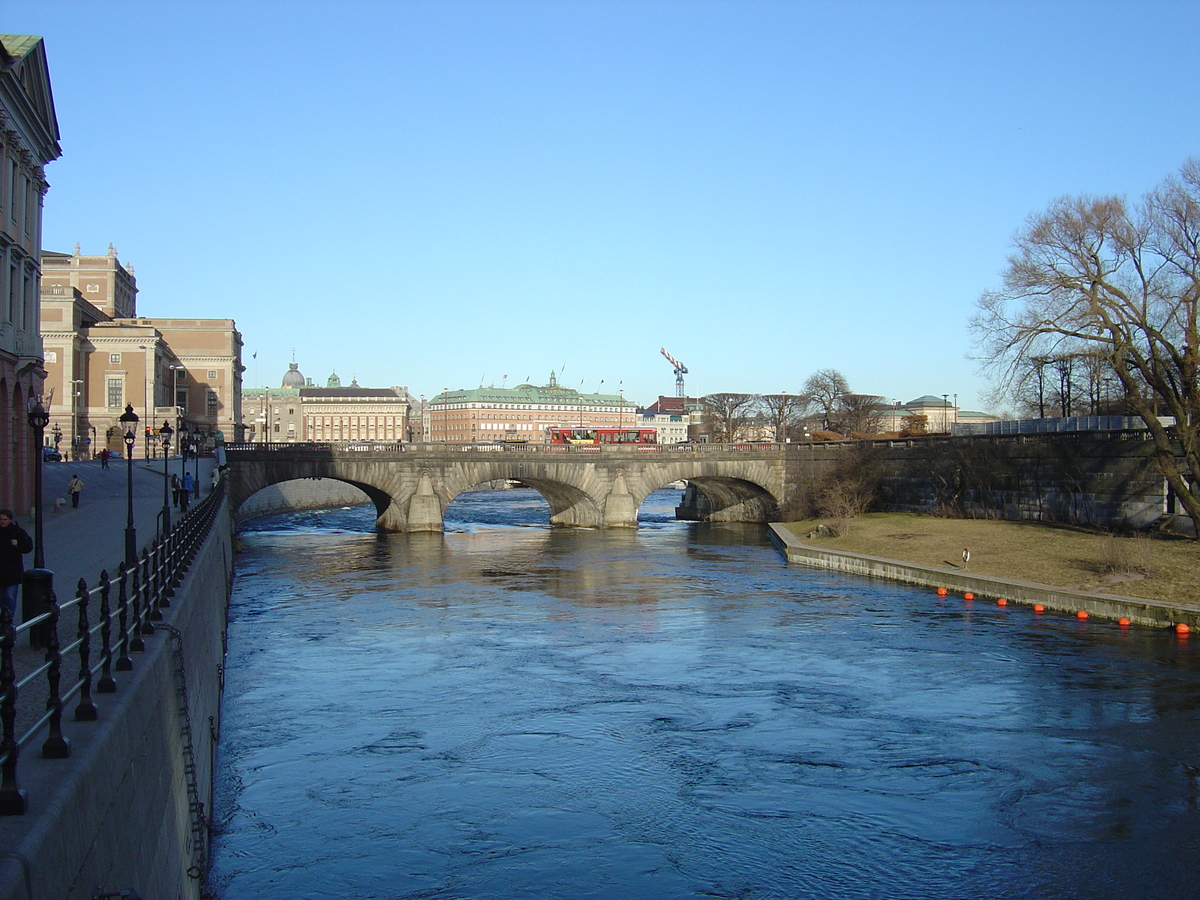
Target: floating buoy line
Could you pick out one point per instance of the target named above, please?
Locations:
(1182, 629)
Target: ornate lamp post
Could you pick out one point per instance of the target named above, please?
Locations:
(165, 433)
(57, 432)
(129, 420)
(38, 420)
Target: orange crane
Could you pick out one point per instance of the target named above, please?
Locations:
(680, 371)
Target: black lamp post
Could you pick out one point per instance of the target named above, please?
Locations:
(38, 420)
(198, 440)
(129, 420)
(165, 433)
(57, 432)
(185, 447)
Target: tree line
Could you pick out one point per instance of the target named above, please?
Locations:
(825, 407)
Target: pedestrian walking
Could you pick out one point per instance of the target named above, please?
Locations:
(14, 543)
(74, 488)
(216, 477)
(185, 492)
(175, 490)
(104, 454)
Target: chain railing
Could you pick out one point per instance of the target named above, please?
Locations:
(142, 592)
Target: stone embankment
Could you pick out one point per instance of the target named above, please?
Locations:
(117, 814)
(310, 493)
(1109, 606)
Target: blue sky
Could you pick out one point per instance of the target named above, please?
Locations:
(442, 194)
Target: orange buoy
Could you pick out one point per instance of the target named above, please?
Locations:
(968, 596)
(1123, 621)
(1037, 607)
(1002, 602)
(1183, 628)
(941, 592)
(1082, 614)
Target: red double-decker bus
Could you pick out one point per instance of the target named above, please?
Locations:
(603, 436)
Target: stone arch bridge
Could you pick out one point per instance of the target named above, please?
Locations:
(588, 485)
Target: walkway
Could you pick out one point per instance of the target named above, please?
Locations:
(79, 543)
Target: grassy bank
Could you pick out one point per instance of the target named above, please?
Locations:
(1165, 569)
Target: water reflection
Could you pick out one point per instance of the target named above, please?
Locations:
(513, 710)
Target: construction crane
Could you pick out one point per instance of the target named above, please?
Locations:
(680, 371)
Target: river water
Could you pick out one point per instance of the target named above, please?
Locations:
(518, 711)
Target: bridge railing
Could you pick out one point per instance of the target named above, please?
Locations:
(93, 651)
(501, 447)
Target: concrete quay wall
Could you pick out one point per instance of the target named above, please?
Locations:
(1108, 606)
(115, 815)
(308, 493)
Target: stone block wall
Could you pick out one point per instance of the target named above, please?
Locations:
(115, 815)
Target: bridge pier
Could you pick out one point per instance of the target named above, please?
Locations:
(587, 487)
(424, 509)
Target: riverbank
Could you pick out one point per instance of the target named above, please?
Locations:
(1148, 580)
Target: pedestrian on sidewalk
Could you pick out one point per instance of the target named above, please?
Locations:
(74, 488)
(104, 454)
(175, 490)
(14, 542)
(185, 492)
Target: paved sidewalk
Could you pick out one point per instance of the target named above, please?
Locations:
(80, 543)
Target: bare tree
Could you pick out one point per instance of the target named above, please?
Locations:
(1092, 275)
(727, 414)
(825, 390)
(784, 412)
(861, 413)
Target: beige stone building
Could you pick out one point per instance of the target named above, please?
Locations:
(28, 141)
(100, 356)
(299, 411)
(355, 413)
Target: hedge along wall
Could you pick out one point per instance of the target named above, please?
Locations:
(115, 814)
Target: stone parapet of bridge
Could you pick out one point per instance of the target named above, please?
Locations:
(587, 485)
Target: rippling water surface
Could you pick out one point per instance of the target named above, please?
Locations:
(514, 710)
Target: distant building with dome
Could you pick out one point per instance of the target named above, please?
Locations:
(299, 411)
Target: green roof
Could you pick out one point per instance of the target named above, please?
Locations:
(531, 394)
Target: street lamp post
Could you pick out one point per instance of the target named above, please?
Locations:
(185, 447)
(38, 420)
(165, 433)
(197, 440)
(76, 393)
(129, 420)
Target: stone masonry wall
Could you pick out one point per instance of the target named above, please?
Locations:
(115, 814)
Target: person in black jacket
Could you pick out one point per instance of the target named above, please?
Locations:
(15, 542)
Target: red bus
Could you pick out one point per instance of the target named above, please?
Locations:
(603, 436)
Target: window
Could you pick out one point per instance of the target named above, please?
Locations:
(212, 374)
(210, 405)
(116, 392)
(181, 397)
(114, 358)
(93, 288)
(51, 356)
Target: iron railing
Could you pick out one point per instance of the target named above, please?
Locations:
(117, 635)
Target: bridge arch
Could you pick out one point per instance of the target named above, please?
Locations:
(411, 485)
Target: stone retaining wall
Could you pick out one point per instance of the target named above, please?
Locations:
(309, 493)
(115, 814)
(1109, 606)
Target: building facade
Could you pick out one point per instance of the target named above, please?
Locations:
(101, 356)
(29, 140)
(298, 411)
(670, 416)
(527, 412)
